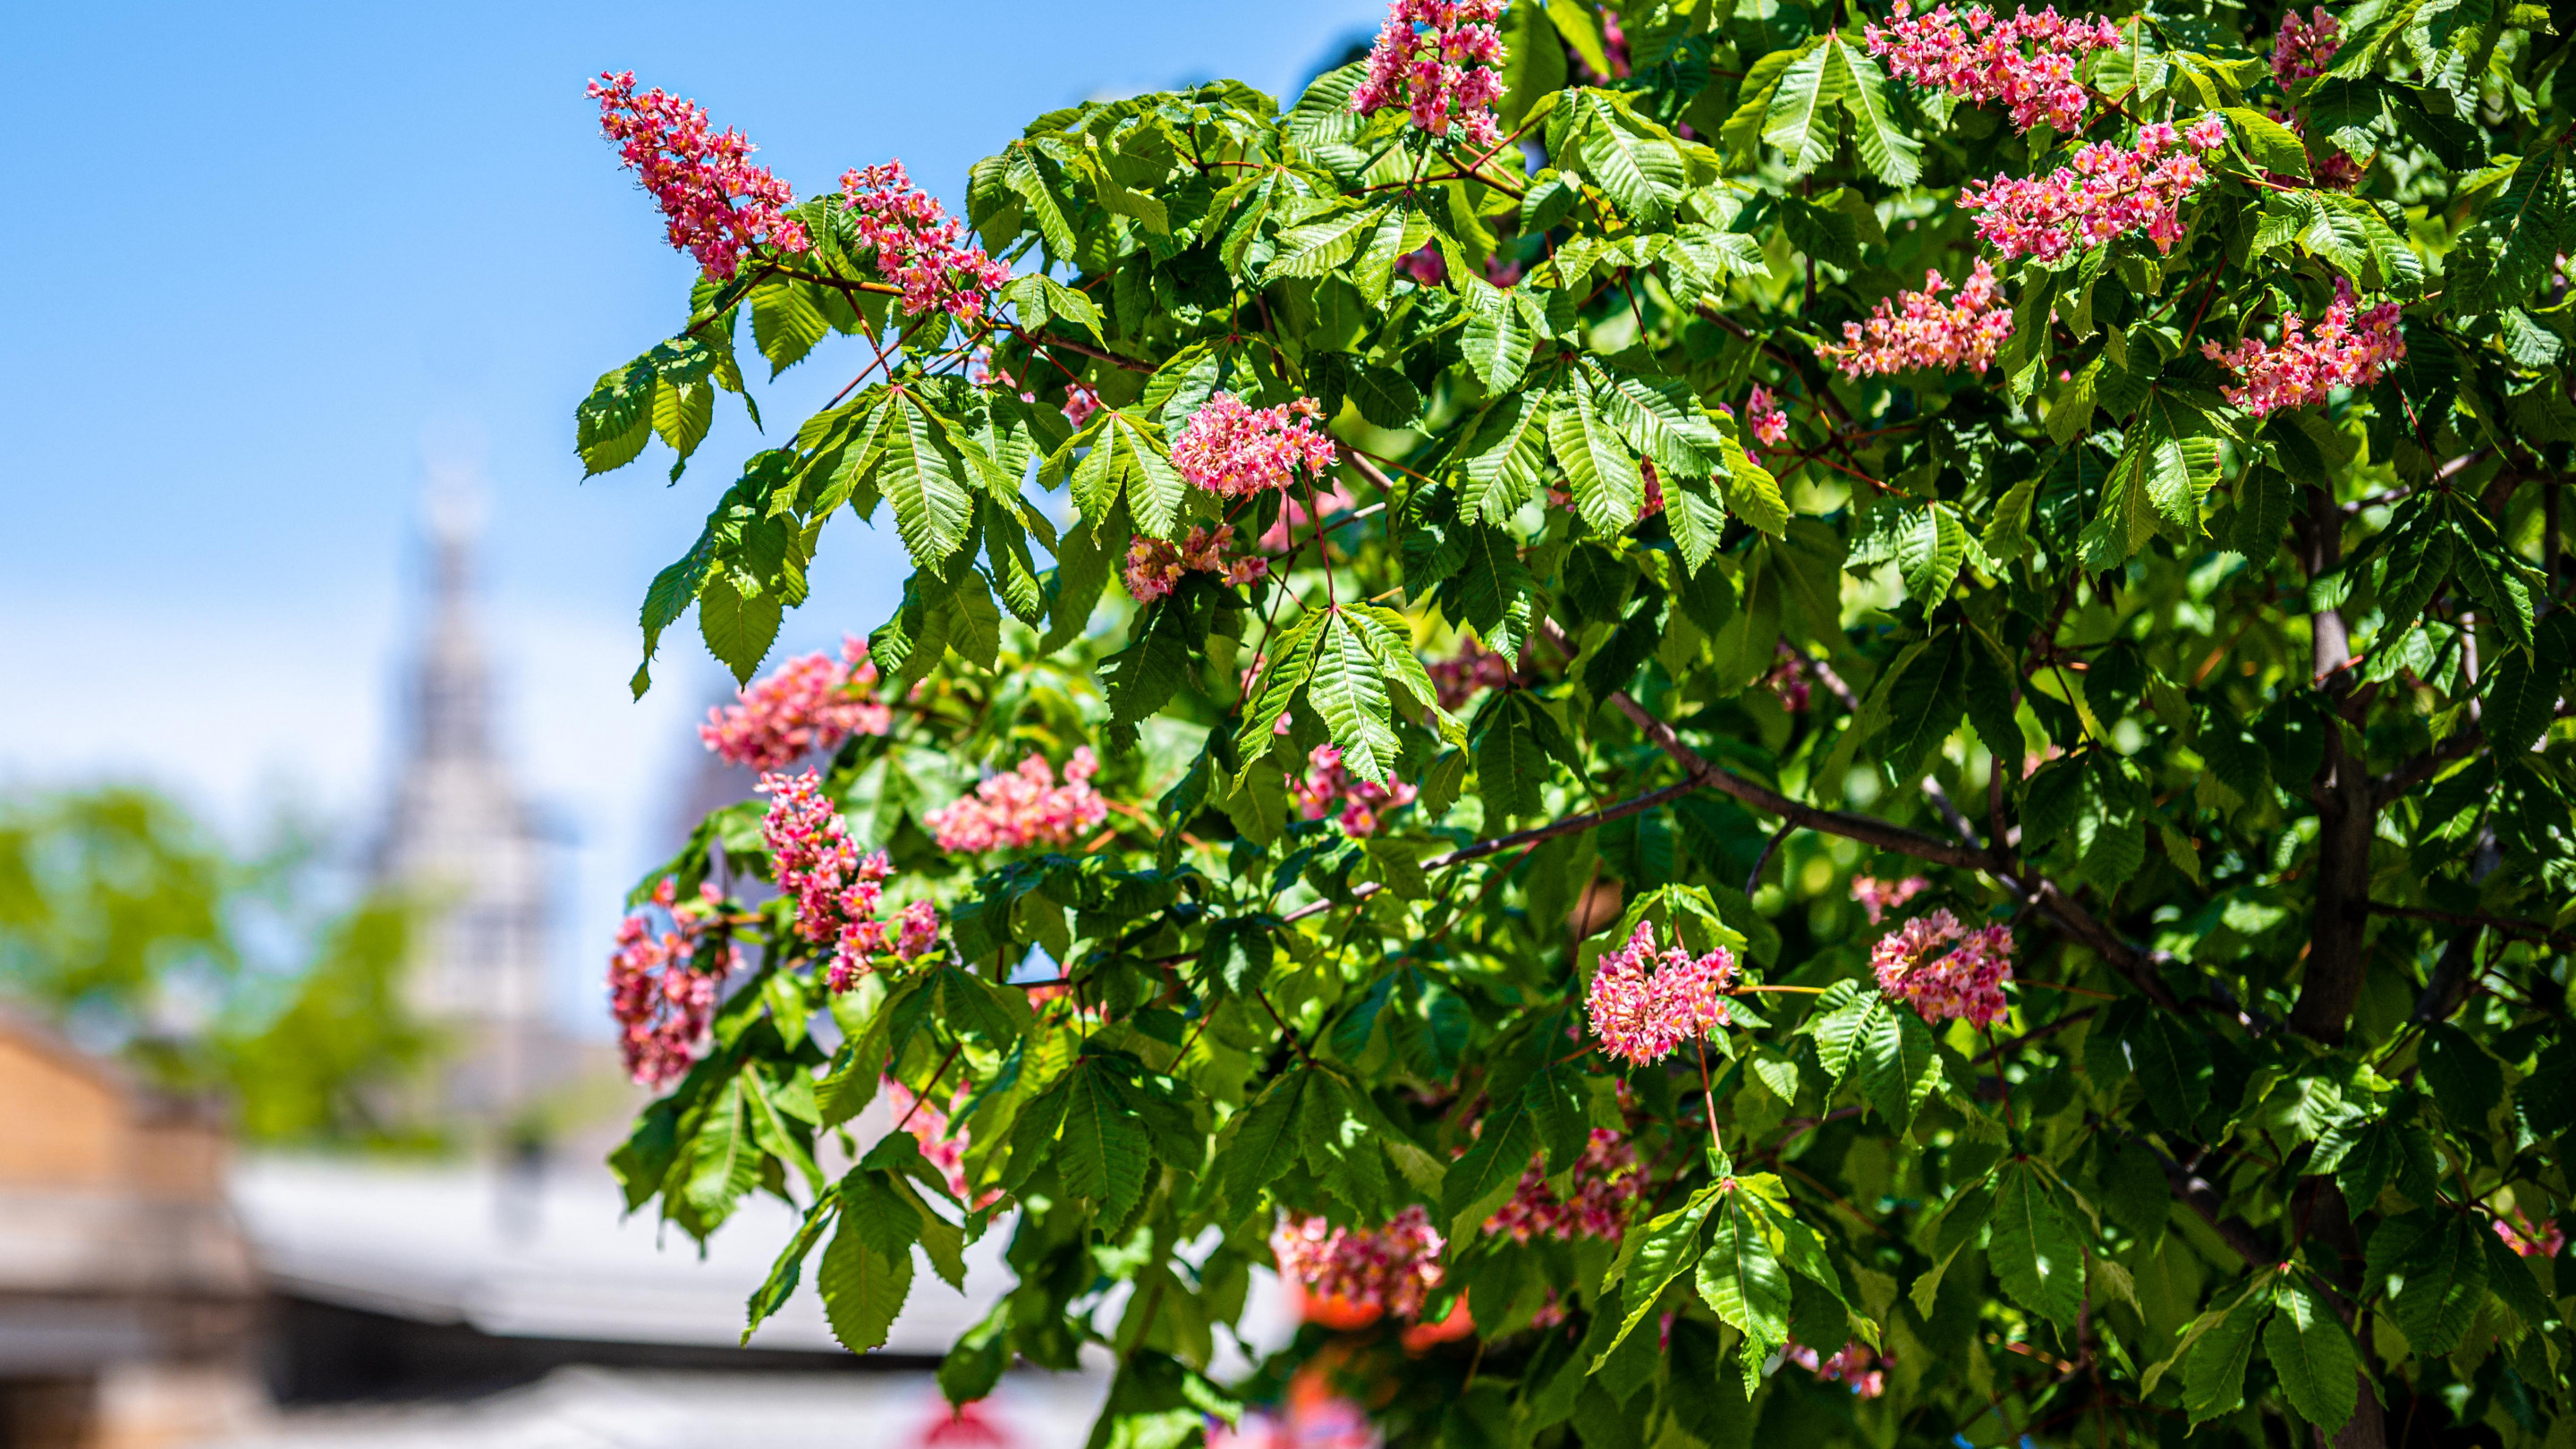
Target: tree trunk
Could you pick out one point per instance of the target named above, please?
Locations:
(2347, 810)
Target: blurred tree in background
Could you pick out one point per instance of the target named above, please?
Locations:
(129, 926)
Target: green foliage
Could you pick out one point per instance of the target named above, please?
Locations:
(130, 926)
(2251, 728)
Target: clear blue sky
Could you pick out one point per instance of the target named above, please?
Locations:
(267, 255)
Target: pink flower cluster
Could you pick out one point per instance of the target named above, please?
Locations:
(1788, 678)
(1979, 58)
(716, 203)
(942, 1145)
(837, 893)
(1855, 1365)
(1442, 61)
(806, 704)
(1878, 897)
(2345, 351)
(1154, 568)
(1424, 265)
(1641, 1017)
(1234, 449)
(2305, 48)
(1919, 329)
(2543, 1241)
(1967, 982)
(920, 247)
(1606, 1181)
(1474, 667)
(2107, 191)
(1392, 1268)
(1023, 807)
(661, 995)
(1328, 789)
(1764, 418)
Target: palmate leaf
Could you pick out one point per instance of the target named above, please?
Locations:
(1929, 553)
(1103, 1153)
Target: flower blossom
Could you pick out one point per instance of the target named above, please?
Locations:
(1441, 60)
(716, 204)
(1329, 788)
(1878, 897)
(2106, 191)
(1424, 265)
(1457, 679)
(1389, 1269)
(1853, 1364)
(660, 992)
(1788, 678)
(1977, 57)
(806, 704)
(1023, 807)
(1234, 450)
(943, 1144)
(920, 247)
(2304, 48)
(1605, 1182)
(1640, 1017)
(837, 892)
(1764, 418)
(1967, 982)
(2344, 351)
(2542, 1241)
(1154, 567)
(1919, 329)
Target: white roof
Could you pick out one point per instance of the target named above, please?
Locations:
(586, 1408)
(553, 1255)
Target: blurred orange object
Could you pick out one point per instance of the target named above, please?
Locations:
(1456, 1326)
(1336, 1313)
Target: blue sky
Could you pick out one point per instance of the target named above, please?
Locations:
(270, 259)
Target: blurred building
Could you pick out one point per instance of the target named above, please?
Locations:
(463, 842)
(128, 1298)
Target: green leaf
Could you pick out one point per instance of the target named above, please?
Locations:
(1599, 470)
(1316, 247)
(2273, 146)
(2172, 1063)
(1741, 1281)
(1502, 459)
(1651, 1258)
(2213, 1367)
(2313, 1355)
(1103, 1153)
(1899, 1070)
(1803, 119)
(738, 630)
(1484, 1179)
(1929, 553)
(862, 1289)
(2466, 1082)
(1892, 155)
(1264, 1144)
(2444, 1282)
(2037, 1256)
(1348, 687)
(931, 507)
(1498, 338)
